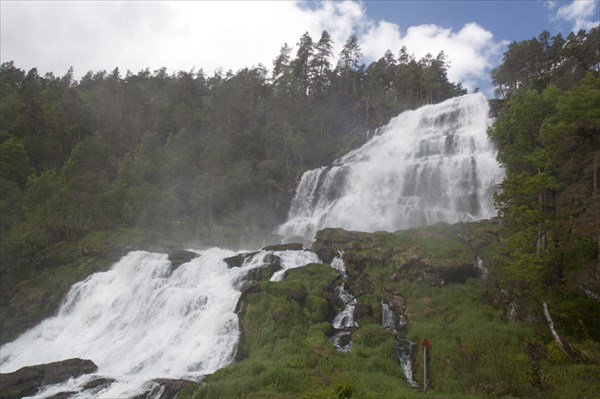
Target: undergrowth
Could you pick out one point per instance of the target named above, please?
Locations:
(474, 352)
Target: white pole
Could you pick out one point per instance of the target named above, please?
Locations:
(424, 369)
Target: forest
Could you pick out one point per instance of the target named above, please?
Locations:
(152, 158)
(187, 156)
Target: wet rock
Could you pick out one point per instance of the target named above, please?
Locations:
(285, 247)
(362, 311)
(396, 301)
(28, 380)
(270, 265)
(434, 255)
(329, 241)
(98, 383)
(179, 256)
(249, 290)
(62, 395)
(164, 388)
(241, 350)
(238, 260)
(345, 339)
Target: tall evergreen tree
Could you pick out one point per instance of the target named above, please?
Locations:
(348, 63)
(320, 64)
(301, 63)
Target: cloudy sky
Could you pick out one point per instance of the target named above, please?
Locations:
(134, 35)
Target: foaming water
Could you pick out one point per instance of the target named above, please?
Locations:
(434, 164)
(143, 320)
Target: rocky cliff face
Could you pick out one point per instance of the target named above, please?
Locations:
(434, 255)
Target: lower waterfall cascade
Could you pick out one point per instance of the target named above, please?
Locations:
(433, 164)
(344, 322)
(143, 320)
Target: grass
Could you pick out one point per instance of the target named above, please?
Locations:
(474, 352)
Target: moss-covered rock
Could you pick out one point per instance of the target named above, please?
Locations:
(434, 255)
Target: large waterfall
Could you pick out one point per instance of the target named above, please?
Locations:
(143, 320)
(434, 164)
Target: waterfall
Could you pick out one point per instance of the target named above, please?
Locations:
(404, 348)
(482, 270)
(433, 164)
(345, 317)
(143, 320)
(343, 321)
(387, 317)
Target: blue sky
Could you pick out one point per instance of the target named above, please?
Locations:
(508, 20)
(208, 35)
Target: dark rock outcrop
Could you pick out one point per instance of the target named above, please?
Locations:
(241, 351)
(62, 395)
(249, 290)
(362, 311)
(164, 388)
(178, 257)
(270, 265)
(28, 380)
(238, 260)
(329, 241)
(285, 247)
(98, 383)
(434, 255)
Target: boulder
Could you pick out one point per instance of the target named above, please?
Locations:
(238, 260)
(329, 241)
(362, 311)
(179, 256)
(62, 395)
(28, 380)
(285, 247)
(272, 264)
(164, 388)
(249, 290)
(98, 383)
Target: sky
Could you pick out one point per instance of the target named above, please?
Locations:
(207, 35)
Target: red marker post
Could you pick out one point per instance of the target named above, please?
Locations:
(425, 347)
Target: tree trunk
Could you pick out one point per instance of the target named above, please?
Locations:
(562, 345)
(596, 212)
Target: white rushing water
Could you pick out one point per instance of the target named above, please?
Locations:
(343, 322)
(141, 320)
(434, 164)
(404, 347)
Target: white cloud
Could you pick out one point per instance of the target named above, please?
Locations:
(582, 14)
(471, 51)
(181, 35)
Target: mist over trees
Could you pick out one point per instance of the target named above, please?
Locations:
(186, 153)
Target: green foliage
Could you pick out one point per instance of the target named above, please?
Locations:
(473, 349)
(559, 379)
(533, 64)
(548, 137)
(548, 143)
(474, 352)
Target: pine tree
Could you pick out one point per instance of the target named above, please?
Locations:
(320, 65)
(301, 64)
(348, 63)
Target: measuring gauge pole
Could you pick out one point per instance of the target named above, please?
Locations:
(425, 347)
